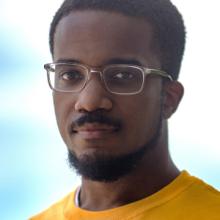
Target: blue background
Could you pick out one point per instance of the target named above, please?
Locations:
(33, 168)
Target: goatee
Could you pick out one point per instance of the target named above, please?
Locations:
(108, 168)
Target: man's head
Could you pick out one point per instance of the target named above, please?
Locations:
(166, 21)
(108, 134)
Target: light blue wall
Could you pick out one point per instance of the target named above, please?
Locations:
(33, 168)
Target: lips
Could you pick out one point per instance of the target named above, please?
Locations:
(94, 131)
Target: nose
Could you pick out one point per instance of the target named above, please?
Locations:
(94, 96)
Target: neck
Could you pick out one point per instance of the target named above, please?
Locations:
(155, 171)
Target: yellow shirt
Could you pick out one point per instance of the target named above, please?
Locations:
(186, 198)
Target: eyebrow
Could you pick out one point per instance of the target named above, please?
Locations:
(123, 61)
(68, 61)
(109, 62)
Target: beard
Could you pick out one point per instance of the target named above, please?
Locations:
(107, 168)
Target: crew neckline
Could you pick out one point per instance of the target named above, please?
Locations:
(178, 185)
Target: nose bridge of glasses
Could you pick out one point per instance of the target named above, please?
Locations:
(97, 79)
(94, 70)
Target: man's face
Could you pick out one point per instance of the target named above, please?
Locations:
(97, 38)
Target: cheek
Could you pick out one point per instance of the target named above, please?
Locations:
(141, 117)
(62, 106)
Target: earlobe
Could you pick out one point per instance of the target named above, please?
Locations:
(172, 94)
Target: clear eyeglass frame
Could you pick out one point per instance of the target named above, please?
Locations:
(144, 70)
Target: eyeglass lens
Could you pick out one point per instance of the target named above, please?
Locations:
(118, 79)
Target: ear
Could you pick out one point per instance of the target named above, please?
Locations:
(172, 94)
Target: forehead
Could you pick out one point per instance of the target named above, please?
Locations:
(95, 37)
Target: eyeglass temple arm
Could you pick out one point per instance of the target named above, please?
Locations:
(47, 67)
(158, 72)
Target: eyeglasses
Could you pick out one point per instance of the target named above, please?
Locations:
(121, 79)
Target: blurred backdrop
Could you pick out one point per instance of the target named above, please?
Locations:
(33, 162)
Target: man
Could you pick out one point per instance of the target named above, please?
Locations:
(114, 82)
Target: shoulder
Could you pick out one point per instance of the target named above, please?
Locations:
(202, 189)
(56, 211)
(202, 196)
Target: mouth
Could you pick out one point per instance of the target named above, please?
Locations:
(91, 131)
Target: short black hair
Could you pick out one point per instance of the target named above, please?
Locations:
(167, 23)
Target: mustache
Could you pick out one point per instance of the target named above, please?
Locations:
(96, 117)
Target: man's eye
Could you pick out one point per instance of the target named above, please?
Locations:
(71, 75)
(123, 76)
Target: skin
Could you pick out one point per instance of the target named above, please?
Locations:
(97, 38)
